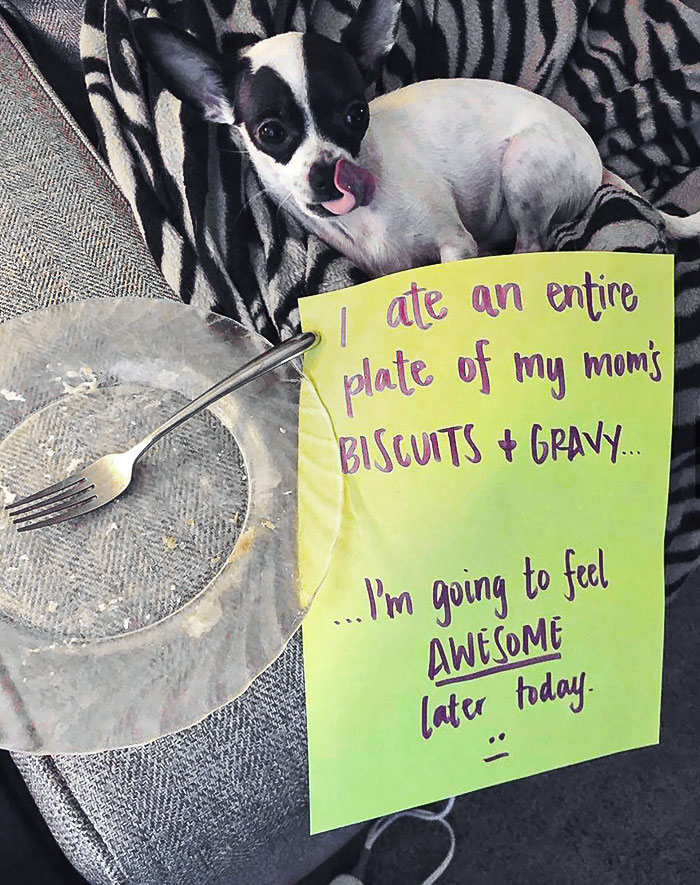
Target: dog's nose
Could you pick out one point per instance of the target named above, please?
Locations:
(322, 181)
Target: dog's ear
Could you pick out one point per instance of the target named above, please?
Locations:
(371, 34)
(187, 69)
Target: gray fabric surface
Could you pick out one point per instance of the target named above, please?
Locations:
(66, 231)
(52, 29)
(225, 801)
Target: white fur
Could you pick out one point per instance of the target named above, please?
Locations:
(461, 165)
(282, 53)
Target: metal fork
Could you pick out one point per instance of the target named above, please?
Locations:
(109, 476)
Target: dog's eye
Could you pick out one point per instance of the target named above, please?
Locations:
(356, 115)
(271, 132)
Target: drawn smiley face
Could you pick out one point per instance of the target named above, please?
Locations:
(502, 754)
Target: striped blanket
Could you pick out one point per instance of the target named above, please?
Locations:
(628, 70)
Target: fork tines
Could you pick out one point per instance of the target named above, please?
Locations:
(60, 501)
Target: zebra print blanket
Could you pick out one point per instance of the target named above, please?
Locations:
(629, 70)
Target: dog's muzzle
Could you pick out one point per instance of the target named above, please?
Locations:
(356, 186)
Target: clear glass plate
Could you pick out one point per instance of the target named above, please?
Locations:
(143, 617)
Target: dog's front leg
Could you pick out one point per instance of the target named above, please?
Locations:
(457, 244)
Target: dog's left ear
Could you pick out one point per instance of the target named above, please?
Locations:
(371, 34)
(190, 72)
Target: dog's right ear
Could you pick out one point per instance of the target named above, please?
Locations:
(371, 34)
(187, 69)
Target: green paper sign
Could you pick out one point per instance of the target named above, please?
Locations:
(494, 605)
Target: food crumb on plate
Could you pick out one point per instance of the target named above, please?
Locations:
(84, 381)
(12, 396)
(203, 618)
(245, 542)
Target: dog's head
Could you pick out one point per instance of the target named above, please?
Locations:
(298, 101)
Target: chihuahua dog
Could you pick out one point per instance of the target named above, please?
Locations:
(436, 171)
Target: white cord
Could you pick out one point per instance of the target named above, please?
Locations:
(379, 826)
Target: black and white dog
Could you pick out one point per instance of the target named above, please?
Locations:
(439, 170)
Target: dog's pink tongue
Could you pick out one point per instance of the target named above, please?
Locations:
(356, 185)
(342, 205)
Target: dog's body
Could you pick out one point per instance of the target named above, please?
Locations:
(482, 163)
(436, 171)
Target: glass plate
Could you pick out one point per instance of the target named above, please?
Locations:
(143, 617)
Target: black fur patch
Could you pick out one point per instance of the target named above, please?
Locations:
(262, 96)
(334, 82)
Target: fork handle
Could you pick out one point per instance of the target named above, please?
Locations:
(259, 365)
